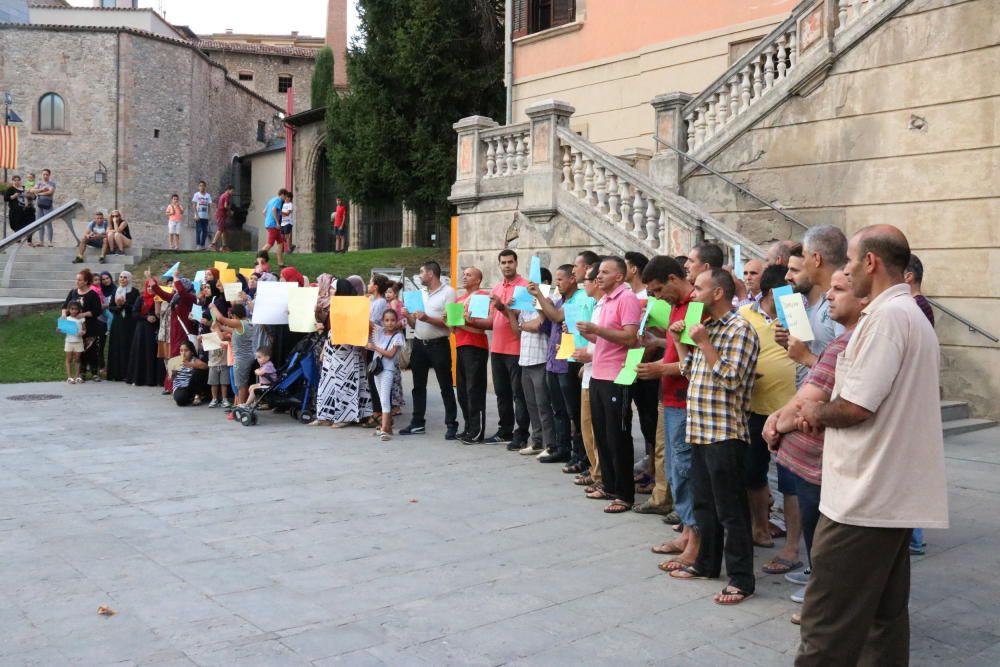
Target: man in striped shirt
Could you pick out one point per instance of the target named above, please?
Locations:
(720, 367)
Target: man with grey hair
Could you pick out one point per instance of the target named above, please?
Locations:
(780, 251)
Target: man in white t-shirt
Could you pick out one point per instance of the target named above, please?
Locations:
(201, 204)
(883, 466)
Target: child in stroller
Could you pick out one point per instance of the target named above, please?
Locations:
(293, 388)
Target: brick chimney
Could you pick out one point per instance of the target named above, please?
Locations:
(336, 39)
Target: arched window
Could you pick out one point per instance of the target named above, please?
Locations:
(51, 113)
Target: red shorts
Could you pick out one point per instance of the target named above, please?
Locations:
(220, 225)
(273, 235)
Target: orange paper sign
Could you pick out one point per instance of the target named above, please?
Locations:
(349, 320)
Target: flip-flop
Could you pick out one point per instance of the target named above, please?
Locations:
(600, 494)
(667, 548)
(735, 592)
(779, 565)
(688, 573)
(674, 564)
(617, 507)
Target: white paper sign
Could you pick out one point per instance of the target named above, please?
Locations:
(211, 341)
(232, 291)
(271, 304)
(546, 291)
(302, 309)
(796, 316)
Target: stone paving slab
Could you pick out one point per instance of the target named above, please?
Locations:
(218, 544)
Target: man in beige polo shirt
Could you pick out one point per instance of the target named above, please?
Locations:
(883, 467)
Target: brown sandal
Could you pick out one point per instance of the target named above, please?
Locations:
(584, 480)
(668, 548)
(600, 494)
(674, 564)
(618, 507)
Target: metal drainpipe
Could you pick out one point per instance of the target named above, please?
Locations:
(508, 57)
(118, 92)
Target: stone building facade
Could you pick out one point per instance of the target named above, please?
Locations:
(149, 116)
(266, 70)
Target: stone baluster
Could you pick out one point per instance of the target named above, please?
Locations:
(722, 108)
(782, 55)
(651, 222)
(769, 67)
(567, 168)
(792, 55)
(734, 96)
(745, 88)
(690, 131)
(600, 185)
(626, 206)
(526, 151)
(578, 174)
(614, 201)
(518, 158)
(588, 182)
(509, 155)
(863, 7)
(491, 161)
(638, 215)
(710, 118)
(699, 128)
(758, 82)
(663, 227)
(842, 14)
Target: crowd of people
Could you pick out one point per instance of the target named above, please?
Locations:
(29, 199)
(734, 411)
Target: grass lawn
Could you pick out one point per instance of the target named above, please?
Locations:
(358, 262)
(32, 351)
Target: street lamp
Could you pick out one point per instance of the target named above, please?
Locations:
(101, 175)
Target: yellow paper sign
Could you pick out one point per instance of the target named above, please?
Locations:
(227, 276)
(302, 308)
(166, 288)
(349, 320)
(222, 266)
(246, 273)
(567, 346)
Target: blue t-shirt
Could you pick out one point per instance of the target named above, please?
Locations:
(269, 219)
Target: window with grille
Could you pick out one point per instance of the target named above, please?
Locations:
(51, 113)
(531, 16)
(284, 82)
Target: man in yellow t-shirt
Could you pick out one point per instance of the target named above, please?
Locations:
(774, 387)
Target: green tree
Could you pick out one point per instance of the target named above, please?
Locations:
(322, 80)
(416, 67)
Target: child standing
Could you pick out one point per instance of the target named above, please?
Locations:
(288, 222)
(242, 330)
(74, 344)
(218, 372)
(175, 217)
(385, 345)
(266, 374)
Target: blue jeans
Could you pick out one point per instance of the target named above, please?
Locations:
(808, 494)
(677, 463)
(917, 539)
(201, 232)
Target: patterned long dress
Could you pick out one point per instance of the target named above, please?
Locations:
(343, 394)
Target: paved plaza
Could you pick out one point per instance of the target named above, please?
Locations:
(217, 544)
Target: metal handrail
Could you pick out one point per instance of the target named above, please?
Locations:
(973, 328)
(733, 183)
(59, 212)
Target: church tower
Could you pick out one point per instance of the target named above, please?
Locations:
(336, 39)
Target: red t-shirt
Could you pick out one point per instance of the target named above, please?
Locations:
(340, 216)
(222, 210)
(463, 337)
(505, 341)
(675, 387)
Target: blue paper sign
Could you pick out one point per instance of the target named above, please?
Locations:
(779, 292)
(196, 284)
(522, 300)
(169, 273)
(738, 261)
(479, 306)
(535, 270)
(197, 313)
(413, 301)
(68, 327)
(199, 277)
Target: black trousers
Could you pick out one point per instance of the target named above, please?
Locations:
(471, 376)
(514, 421)
(560, 411)
(611, 413)
(722, 512)
(376, 401)
(646, 396)
(432, 354)
(570, 385)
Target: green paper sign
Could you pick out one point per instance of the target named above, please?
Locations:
(455, 314)
(693, 317)
(632, 359)
(659, 314)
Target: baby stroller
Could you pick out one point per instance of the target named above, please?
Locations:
(294, 390)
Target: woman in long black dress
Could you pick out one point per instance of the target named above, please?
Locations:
(91, 309)
(122, 326)
(144, 369)
(14, 196)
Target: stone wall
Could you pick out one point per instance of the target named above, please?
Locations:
(902, 131)
(265, 69)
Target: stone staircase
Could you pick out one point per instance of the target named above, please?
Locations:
(47, 274)
(955, 419)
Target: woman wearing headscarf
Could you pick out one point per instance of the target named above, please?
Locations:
(181, 300)
(120, 307)
(283, 339)
(343, 396)
(106, 290)
(218, 295)
(144, 369)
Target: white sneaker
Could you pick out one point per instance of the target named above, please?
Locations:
(214, 403)
(528, 450)
(226, 403)
(799, 595)
(800, 577)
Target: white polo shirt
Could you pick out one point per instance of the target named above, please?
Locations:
(434, 303)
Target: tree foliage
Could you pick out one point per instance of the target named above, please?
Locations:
(322, 80)
(416, 68)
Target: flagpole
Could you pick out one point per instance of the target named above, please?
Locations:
(6, 121)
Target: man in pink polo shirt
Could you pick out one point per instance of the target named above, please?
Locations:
(610, 403)
(505, 351)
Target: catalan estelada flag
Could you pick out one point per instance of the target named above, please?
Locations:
(8, 147)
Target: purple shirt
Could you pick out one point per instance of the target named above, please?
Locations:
(554, 365)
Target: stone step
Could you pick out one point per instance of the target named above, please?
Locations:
(954, 410)
(69, 253)
(958, 426)
(37, 293)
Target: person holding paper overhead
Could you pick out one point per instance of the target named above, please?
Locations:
(512, 429)
(610, 403)
(432, 351)
(720, 368)
(473, 353)
(883, 426)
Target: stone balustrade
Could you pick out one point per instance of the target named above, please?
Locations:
(506, 150)
(851, 11)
